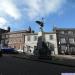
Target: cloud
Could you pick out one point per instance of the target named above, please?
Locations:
(32, 8)
(3, 23)
(9, 8)
(36, 8)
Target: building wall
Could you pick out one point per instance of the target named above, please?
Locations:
(66, 41)
(19, 40)
(52, 41)
(2, 37)
(14, 40)
(31, 43)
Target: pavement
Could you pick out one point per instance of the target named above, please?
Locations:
(64, 60)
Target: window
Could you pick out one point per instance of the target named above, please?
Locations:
(51, 37)
(35, 38)
(71, 40)
(28, 38)
(2, 41)
(62, 40)
(3, 36)
(11, 35)
(6, 41)
(63, 47)
(7, 36)
(10, 41)
(70, 32)
(72, 49)
(62, 32)
(20, 40)
(35, 47)
(28, 49)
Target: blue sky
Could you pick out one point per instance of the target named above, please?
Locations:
(20, 14)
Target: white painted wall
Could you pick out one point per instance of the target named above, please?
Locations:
(30, 43)
(53, 41)
(33, 43)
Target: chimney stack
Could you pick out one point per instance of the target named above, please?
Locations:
(9, 29)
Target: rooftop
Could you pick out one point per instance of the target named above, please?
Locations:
(54, 29)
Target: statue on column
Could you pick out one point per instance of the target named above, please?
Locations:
(41, 24)
(42, 50)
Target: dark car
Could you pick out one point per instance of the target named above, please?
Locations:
(8, 50)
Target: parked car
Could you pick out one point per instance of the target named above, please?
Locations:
(8, 50)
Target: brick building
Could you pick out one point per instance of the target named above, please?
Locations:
(15, 39)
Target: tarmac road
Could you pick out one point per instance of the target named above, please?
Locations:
(15, 66)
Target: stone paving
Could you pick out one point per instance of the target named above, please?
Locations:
(71, 57)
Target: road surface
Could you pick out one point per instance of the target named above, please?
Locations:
(15, 66)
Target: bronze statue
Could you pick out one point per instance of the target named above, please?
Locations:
(41, 24)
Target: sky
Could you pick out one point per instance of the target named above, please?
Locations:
(20, 14)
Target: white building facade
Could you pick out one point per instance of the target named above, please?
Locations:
(31, 40)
